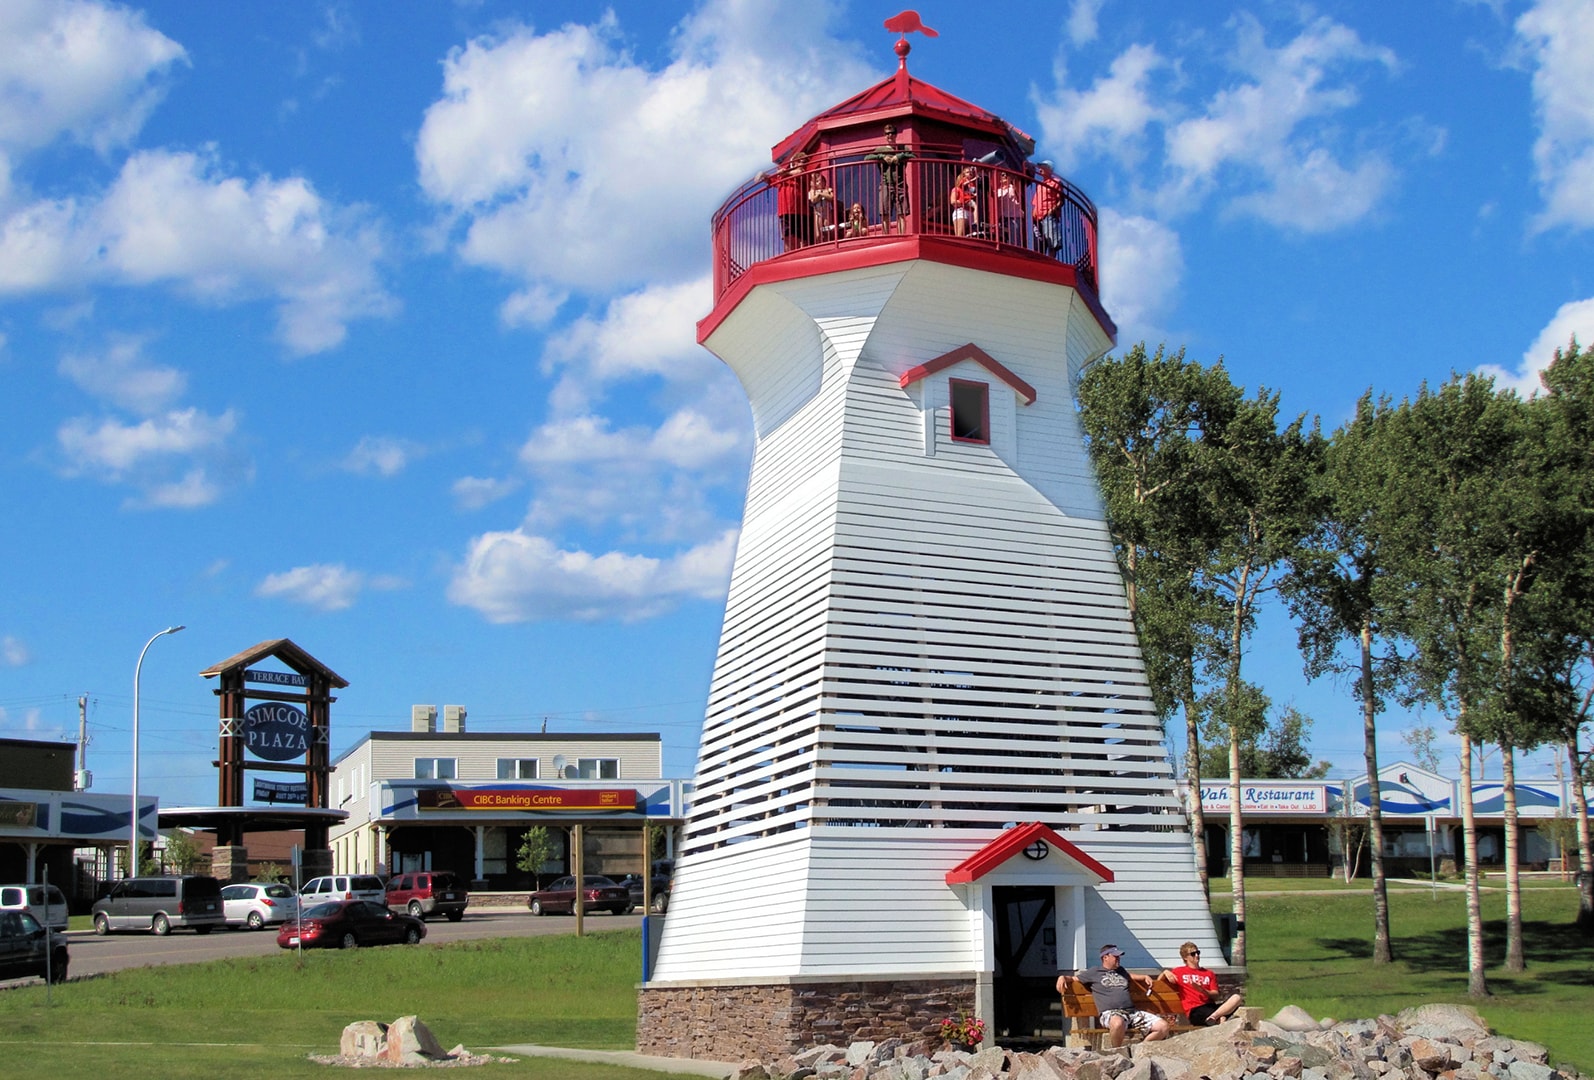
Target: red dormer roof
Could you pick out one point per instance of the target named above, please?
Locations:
(899, 96)
(1012, 842)
(973, 352)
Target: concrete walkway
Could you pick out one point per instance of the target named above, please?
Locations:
(681, 1066)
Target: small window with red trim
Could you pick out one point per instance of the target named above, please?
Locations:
(971, 411)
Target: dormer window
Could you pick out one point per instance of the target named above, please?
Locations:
(971, 411)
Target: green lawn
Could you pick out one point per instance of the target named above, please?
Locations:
(1314, 950)
(262, 1017)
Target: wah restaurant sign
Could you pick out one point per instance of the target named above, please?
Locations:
(1287, 797)
(501, 799)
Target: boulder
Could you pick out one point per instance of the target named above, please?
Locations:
(1209, 1051)
(1430, 1055)
(364, 1039)
(1295, 1018)
(1455, 1020)
(750, 1070)
(411, 1042)
(1528, 1070)
(858, 1053)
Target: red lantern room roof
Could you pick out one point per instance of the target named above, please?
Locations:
(903, 97)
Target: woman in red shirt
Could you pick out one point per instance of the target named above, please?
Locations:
(1198, 989)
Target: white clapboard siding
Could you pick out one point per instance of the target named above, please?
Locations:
(924, 641)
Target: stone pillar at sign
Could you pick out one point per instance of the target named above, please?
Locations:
(229, 862)
(315, 862)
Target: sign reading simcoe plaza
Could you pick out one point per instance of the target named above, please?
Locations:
(276, 732)
(1286, 797)
(588, 799)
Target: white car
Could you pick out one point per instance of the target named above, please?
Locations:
(258, 904)
(343, 887)
(45, 903)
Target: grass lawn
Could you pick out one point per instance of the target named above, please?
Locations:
(1314, 950)
(262, 1017)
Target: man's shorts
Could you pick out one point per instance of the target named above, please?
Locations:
(1134, 1019)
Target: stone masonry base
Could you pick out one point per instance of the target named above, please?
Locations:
(767, 1021)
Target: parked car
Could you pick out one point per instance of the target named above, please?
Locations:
(598, 894)
(342, 887)
(428, 892)
(660, 890)
(257, 904)
(161, 905)
(28, 947)
(348, 924)
(44, 902)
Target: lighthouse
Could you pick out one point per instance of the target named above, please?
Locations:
(931, 775)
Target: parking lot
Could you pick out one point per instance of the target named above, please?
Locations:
(95, 955)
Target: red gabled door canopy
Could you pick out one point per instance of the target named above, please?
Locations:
(1013, 842)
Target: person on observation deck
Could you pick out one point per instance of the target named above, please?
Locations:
(1198, 989)
(1046, 212)
(822, 203)
(893, 162)
(791, 203)
(1010, 209)
(964, 200)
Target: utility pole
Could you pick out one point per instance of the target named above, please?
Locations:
(82, 779)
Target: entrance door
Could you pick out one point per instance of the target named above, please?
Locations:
(1025, 978)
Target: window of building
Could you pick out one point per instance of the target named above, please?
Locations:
(971, 411)
(513, 768)
(434, 768)
(591, 768)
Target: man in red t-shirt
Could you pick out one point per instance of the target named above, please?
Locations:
(1198, 988)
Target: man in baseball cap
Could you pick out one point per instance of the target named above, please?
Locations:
(1109, 984)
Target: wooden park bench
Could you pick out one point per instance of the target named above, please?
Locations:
(1083, 1017)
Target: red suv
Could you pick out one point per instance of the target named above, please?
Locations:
(428, 892)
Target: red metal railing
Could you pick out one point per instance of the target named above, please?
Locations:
(839, 202)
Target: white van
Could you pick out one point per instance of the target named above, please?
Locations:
(342, 887)
(45, 902)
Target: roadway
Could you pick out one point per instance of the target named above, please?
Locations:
(95, 955)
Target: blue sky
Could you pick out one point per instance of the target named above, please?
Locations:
(371, 325)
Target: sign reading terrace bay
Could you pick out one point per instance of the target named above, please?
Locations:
(588, 799)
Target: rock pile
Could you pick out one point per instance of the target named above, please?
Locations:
(1430, 1042)
(405, 1043)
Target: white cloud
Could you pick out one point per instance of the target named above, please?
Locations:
(179, 219)
(13, 652)
(120, 376)
(1142, 270)
(475, 492)
(172, 458)
(1575, 319)
(86, 70)
(514, 577)
(1264, 130)
(1559, 37)
(382, 455)
(325, 587)
(574, 166)
(1111, 118)
(1082, 16)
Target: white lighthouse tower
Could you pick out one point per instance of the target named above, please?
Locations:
(931, 774)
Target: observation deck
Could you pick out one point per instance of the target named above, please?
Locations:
(965, 194)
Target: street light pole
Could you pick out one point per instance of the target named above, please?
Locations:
(132, 846)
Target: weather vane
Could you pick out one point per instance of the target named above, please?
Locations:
(907, 22)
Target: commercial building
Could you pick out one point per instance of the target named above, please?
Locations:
(442, 798)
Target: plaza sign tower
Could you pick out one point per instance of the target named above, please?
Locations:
(930, 773)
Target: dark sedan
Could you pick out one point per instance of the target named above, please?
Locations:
(660, 892)
(27, 948)
(348, 924)
(598, 894)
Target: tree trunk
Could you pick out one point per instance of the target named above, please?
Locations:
(1514, 960)
(1198, 813)
(1585, 877)
(1236, 849)
(1477, 982)
(1382, 950)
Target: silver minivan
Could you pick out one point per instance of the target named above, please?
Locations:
(342, 887)
(161, 905)
(45, 903)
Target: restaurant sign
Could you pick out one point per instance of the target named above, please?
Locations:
(1282, 798)
(587, 799)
